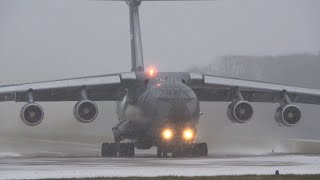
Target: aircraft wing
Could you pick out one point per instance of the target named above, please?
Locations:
(214, 88)
(98, 88)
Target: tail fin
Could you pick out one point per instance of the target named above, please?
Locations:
(137, 64)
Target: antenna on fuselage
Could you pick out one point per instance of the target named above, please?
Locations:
(137, 64)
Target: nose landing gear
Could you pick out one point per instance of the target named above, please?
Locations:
(161, 153)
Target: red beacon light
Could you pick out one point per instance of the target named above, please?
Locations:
(152, 72)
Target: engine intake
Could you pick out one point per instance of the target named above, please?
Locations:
(32, 114)
(240, 111)
(288, 115)
(85, 111)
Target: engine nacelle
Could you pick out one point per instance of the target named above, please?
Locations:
(32, 114)
(85, 111)
(240, 111)
(288, 115)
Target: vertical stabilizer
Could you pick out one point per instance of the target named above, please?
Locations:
(135, 36)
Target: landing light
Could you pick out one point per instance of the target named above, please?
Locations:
(188, 134)
(167, 134)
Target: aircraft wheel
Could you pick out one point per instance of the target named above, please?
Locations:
(109, 150)
(131, 149)
(126, 150)
(164, 154)
(176, 154)
(159, 152)
(185, 150)
(200, 149)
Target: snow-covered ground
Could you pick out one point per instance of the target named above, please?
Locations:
(15, 167)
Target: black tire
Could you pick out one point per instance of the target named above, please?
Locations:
(200, 150)
(122, 150)
(130, 150)
(164, 154)
(185, 150)
(126, 150)
(204, 149)
(176, 154)
(159, 152)
(108, 150)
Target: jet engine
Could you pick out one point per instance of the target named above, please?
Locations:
(240, 111)
(85, 111)
(32, 114)
(288, 115)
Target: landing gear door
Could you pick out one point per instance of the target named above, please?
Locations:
(122, 107)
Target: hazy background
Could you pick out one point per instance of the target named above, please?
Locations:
(269, 40)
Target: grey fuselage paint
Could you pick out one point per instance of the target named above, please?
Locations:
(154, 103)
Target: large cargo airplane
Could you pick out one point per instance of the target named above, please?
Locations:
(154, 108)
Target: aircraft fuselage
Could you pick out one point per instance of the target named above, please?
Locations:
(159, 103)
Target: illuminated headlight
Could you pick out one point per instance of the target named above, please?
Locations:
(188, 134)
(167, 134)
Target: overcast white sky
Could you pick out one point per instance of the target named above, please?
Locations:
(42, 39)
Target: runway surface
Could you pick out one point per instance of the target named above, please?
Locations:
(13, 166)
(30, 158)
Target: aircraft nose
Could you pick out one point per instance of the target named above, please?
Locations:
(176, 108)
(177, 102)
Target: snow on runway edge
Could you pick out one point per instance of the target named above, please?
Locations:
(62, 167)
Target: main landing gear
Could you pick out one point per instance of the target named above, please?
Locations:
(183, 150)
(117, 150)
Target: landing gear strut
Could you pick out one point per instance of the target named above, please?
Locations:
(161, 153)
(117, 150)
(184, 150)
